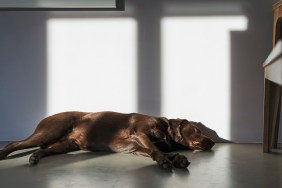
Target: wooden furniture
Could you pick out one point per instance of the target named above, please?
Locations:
(273, 84)
(272, 97)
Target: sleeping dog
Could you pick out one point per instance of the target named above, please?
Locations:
(139, 134)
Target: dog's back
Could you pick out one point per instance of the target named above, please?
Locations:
(94, 131)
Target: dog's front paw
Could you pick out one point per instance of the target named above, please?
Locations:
(180, 161)
(2, 155)
(165, 163)
(33, 160)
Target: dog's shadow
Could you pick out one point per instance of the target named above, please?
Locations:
(211, 133)
(71, 158)
(154, 176)
(60, 159)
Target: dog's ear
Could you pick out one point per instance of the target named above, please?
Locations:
(164, 119)
(175, 122)
(175, 125)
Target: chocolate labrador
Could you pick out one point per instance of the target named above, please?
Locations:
(133, 133)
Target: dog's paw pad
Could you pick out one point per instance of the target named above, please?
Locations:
(165, 164)
(33, 160)
(181, 161)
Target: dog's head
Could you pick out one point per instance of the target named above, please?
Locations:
(188, 134)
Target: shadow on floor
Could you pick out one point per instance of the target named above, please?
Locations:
(153, 176)
(211, 133)
(60, 159)
(71, 158)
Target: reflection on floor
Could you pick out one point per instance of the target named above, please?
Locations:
(227, 166)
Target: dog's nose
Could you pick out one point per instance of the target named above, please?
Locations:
(208, 143)
(212, 144)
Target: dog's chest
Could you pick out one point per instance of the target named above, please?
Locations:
(159, 134)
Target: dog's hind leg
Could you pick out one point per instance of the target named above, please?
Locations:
(30, 142)
(42, 137)
(60, 147)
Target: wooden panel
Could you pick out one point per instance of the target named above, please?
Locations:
(277, 13)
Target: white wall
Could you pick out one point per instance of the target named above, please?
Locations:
(24, 62)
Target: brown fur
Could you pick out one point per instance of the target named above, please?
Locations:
(116, 132)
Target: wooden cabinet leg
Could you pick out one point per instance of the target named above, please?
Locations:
(272, 109)
(276, 116)
(266, 140)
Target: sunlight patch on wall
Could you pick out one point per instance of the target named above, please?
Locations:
(196, 68)
(91, 65)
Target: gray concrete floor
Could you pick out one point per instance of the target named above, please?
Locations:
(227, 166)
